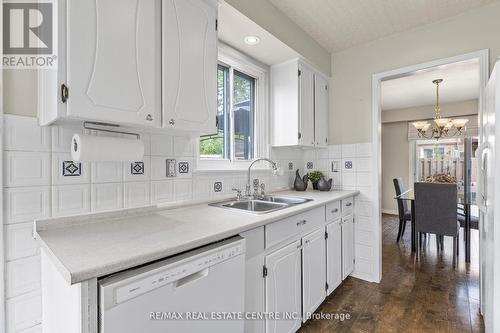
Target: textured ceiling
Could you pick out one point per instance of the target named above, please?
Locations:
(234, 27)
(461, 83)
(340, 24)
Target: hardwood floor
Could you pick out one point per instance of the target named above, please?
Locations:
(429, 296)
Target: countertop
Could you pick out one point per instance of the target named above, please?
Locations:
(101, 244)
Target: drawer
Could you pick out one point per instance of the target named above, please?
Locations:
(347, 206)
(293, 226)
(333, 211)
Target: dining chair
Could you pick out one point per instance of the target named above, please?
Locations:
(403, 211)
(474, 220)
(436, 212)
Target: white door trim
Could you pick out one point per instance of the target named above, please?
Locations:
(481, 55)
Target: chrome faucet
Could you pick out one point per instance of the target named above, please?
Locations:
(248, 186)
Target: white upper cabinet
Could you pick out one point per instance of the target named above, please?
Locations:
(306, 105)
(145, 64)
(299, 105)
(189, 65)
(113, 61)
(313, 271)
(321, 110)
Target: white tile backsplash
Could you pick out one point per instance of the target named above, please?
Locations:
(162, 191)
(24, 134)
(22, 204)
(106, 172)
(19, 241)
(23, 276)
(70, 199)
(24, 311)
(136, 194)
(23, 168)
(183, 189)
(161, 145)
(106, 196)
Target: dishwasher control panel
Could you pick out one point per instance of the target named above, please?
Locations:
(170, 274)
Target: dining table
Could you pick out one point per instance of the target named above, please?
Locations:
(466, 200)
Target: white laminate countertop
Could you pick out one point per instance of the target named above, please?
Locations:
(104, 245)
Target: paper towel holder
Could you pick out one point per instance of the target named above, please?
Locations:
(90, 125)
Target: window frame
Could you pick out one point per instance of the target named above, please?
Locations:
(235, 60)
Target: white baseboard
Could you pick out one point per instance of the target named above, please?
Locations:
(390, 211)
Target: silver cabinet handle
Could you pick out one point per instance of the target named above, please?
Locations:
(301, 222)
(348, 204)
(149, 117)
(335, 210)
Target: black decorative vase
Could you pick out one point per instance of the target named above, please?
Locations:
(300, 184)
(324, 185)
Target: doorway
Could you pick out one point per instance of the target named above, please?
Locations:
(482, 57)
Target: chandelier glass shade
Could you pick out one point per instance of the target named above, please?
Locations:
(440, 127)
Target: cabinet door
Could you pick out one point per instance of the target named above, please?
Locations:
(333, 256)
(306, 104)
(113, 61)
(347, 246)
(313, 271)
(189, 65)
(283, 287)
(321, 111)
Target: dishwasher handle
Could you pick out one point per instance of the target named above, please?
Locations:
(192, 277)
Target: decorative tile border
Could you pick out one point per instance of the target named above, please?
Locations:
(137, 168)
(183, 167)
(310, 165)
(71, 169)
(218, 187)
(290, 165)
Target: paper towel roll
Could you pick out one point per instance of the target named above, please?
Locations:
(101, 148)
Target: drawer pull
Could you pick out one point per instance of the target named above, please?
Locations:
(348, 204)
(301, 222)
(335, 210)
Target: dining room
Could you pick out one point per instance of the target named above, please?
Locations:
(430, 160)
(430, 138)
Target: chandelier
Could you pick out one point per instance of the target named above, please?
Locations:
(440, 127)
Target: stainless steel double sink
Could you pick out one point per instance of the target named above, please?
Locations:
(260, 205)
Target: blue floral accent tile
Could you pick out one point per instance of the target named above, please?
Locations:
(218, 187)
(137, 168)
(71, 169)
(183, 167)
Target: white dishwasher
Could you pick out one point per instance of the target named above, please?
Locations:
(198, 291)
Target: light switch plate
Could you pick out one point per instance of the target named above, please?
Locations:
(170, 166)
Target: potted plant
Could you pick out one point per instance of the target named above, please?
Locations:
(314, 177)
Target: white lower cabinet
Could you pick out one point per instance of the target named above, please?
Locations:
(333, 255)
(283, 286)
(347, 246)
(304, 259)
(313, 271)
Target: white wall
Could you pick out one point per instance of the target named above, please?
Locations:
(395, 161)
(352, 69)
